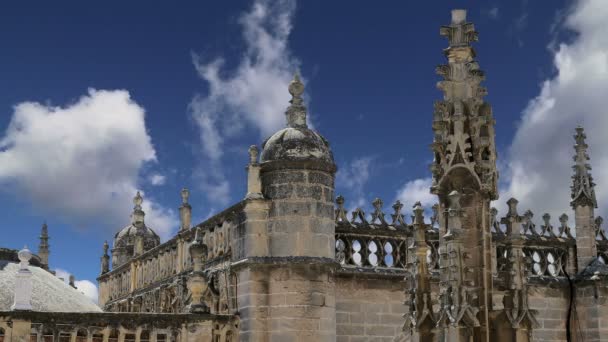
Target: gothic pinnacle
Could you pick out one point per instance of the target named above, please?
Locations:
(583, 188)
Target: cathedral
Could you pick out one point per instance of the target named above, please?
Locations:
(289, 262)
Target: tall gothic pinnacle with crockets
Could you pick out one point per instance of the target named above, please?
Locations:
(465, 182)
(463, 124)
(583, 192)
(583, 202)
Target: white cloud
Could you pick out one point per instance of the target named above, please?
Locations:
(254, 94)
(353, 177)
(157, 179)
(540, 157)
(417, 190)
(86, 287)
(81, 161)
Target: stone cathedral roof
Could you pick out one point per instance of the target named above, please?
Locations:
(296, 142)
(49, 293)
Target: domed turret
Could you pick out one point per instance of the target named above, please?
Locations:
(135, 238)
(296, 142)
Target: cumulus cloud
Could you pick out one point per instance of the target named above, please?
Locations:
(86, 287)
(352, 177)
(417, 190)
(252, 95)
(81, 161)
(540, 157)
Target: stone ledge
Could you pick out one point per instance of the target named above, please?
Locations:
(288, 260)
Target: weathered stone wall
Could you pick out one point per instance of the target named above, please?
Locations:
(301, 217)
(289, 302)
(591, 322)
(369, 309)
(552, 306)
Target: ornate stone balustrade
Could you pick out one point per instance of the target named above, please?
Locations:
(116, 327)
(548, 250)
(377, 243)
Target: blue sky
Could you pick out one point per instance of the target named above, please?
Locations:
(108, 98)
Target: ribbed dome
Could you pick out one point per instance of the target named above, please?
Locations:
(126, 237)
(297, 142)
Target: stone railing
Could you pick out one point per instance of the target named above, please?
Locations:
(155, 280)
(376, 243)
(548, 250)
(116, 327)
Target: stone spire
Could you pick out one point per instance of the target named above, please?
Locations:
(43, 248)
(583, 192)
(296, 112)
(138, 214)
(463, 124)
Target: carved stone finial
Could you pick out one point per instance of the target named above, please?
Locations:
(418, 213)
(296, 112)
(24, 256)
(564, 230)
(185, 195)
(105, 247)
(512, 203)
(253, 154)
(137, 201)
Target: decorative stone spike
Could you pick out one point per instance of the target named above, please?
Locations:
(564, 229)
(583, 188)
(341, 217)
(378, 214)
(398, 219)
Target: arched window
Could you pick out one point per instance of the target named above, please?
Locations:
(129, 337)
(1, 335)
(81, 335)
(161, 338)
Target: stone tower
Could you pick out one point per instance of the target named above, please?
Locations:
(287, 290)
(465, 181)
(43, 248)
(583, 202)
